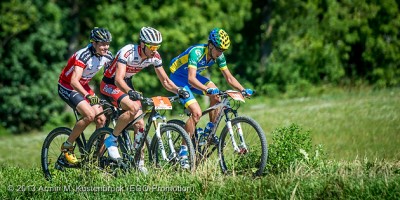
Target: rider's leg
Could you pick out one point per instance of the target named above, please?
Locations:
(194, 118)
(214, 99)
(131, 108)
(88, 114)
(101, 119)
(190, 126)
(139, 129)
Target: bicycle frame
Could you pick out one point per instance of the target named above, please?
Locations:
(224, 108)
(153, 116)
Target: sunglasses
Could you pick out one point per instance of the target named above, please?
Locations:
(218, 49)
(152, 47)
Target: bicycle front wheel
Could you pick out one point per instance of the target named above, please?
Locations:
(165, 150)
(52, 159)
(243, 148)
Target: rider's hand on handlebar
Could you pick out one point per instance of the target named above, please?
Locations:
(134, 95)
(93, 100)
(247, 92)
(212, 91)
(182, 93)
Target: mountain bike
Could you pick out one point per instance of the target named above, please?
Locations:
(52, 159)
(242, 145)
(166, 141)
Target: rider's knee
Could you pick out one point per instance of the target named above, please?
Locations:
(140, 124)
(214, 99)
(132, 114)
(101, 120)
(89, 118)
(196, 116)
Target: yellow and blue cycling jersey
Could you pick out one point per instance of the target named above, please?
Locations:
(193, 57)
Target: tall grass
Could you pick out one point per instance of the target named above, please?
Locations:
(359, 179)
(358, 130)
(350, 125)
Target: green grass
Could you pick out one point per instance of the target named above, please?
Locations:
(358, 129)
(350, 125)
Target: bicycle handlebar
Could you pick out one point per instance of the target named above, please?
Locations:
(149, 101)
(225, 93)
(144, 100)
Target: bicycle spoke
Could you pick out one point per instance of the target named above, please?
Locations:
(249, 157)
(166, 149)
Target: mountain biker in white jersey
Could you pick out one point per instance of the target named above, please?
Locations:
(117, 84)
(74, 89)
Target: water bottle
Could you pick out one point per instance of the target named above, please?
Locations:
(209, 127)
(138, 137)
(202, 136)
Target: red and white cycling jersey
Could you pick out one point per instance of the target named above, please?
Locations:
(85, 58)
(130, 56)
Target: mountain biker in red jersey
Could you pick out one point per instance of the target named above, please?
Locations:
(185, 72)
(117, 84)
(74, 89)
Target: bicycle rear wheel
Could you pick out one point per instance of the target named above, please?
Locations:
(166, 149)
(251, 155)
(52, 159)
(203, 152)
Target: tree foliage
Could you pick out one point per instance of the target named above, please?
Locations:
(331, 42)
(277, 46)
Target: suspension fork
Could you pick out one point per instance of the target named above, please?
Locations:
(157, 126)
(231, 133)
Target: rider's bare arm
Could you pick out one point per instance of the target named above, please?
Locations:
(193, 80)
(119, 77)
(231, 80)
(165, 81)
(76, 76)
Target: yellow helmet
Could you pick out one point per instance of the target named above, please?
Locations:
(219, 38)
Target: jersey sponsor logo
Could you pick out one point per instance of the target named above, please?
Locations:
(110, 90)
(64, 92)
(127, 53)
(70, 70)
(198, 52)
(85, 56)
(201, 68)
(133, 69)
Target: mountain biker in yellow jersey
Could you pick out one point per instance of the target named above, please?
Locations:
(74, 89)
(185, 72)
(117, 84)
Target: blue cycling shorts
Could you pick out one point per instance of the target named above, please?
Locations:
(182, 81)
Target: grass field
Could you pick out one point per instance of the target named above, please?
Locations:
(358, 129)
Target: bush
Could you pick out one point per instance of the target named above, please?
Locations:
(291, 145)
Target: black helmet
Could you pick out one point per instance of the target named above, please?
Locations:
(100, 35)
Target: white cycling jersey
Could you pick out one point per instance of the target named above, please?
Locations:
(130, 56)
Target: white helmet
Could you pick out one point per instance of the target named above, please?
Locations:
(150, 35)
